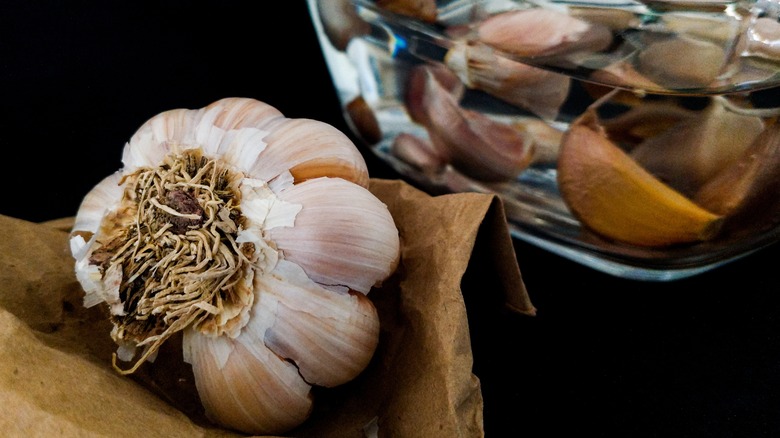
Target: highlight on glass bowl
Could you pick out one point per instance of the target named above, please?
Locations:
(639, 138)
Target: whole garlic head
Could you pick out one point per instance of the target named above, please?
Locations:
(255, 236)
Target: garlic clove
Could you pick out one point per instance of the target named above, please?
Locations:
(618, 199)
(93, 207)
(343, 236)
(764, 38)
(645, 120)
(157, 137)
(328, 152)
(540, 91)
(476, 145)
(542, 32)
(747, 190)
(245, 386)
(425, 10)
(545, 138)
(340, 22)
(364, 122)
(623, 74)
(429, 82)
(240, 112)
(692, 151)
(329, 335)
(417, 152)
(682, 62)
(481, 147)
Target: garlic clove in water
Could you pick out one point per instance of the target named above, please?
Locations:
(692, 151)
(670, 62)
(478, 146)
(645, 120)
(538, 32)
(618, 199)
(764, 38)
(340, 22)
(425, 10)
(540, 91)
(417, 152)
(255, 236)
(746, 191)
(363, 120)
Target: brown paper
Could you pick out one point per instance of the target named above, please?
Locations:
(56, 375)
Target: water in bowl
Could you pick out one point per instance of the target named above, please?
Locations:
(478, 95)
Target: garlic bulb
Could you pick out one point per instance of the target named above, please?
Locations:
(255, 236)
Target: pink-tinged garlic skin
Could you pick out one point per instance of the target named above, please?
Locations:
(420, 80)
(542, 32)
(304, 317)
(323, 241)
(417, 152)
(539, 91)
(295, 226)
(245, 386)
(330, 152)
(473, 143)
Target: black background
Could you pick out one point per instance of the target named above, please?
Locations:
(698, 357)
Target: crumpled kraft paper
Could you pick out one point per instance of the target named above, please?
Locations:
(56, 377)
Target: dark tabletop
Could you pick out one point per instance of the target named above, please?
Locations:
(698, 357)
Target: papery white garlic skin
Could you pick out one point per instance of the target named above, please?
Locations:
(277, 210)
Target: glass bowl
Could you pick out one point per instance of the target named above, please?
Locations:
(636, 138)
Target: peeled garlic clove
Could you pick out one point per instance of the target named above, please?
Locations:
(541, 92)
(323, 241)
(330, 335)
(424, 10)
(748, 190)
(245, 386)
(682, 62)
(615, 197)
(542, 32)
(473, 143)
(692, 151)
